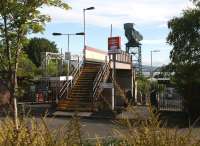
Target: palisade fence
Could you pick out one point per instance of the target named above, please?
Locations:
(173, 103)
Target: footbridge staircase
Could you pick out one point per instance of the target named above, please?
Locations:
(84, 90)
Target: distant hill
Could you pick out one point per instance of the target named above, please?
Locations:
(147, 68)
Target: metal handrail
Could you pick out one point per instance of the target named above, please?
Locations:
(66, 88)
(101, 77)
(123, 57)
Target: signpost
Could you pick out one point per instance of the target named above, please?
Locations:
(67, 56)
(114, 47)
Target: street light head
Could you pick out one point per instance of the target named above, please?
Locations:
(80, 33)
(55, 33)
(90, 8)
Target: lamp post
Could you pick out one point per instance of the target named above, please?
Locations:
(84, 10)
(68, 39)
(151, 73)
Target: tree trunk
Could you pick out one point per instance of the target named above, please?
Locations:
(11, 76)
(8, 54)
(15, 84)
(12, 82)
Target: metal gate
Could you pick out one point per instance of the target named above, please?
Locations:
(170, 102)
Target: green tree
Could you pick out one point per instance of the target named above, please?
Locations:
(143, 87)
(26, 67)
(17, 19)
(184, 36)
(38, 45)
(197, 2)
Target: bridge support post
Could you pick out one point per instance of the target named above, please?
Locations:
(132, 80)
(114, 78)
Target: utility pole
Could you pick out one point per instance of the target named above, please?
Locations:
(151, 71)
(84, 30)
(68, 61)
(61, 69)
(114, 79)
(113, 75)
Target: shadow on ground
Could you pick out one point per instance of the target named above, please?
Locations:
(178, 119)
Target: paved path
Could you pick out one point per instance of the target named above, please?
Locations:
(102, 124)
(91, 128)
(102, 127)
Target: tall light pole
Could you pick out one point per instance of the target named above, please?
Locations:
(151, 73)
(68, 39)
(84, 10)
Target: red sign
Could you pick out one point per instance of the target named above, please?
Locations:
(114, 44)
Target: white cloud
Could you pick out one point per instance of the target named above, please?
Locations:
(154, 42)
(117, 12)
(144, 13)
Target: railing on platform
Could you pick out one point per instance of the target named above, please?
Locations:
(68, 85)
(123, 57)
(101, 77)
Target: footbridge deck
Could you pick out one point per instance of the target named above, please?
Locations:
(123, 60)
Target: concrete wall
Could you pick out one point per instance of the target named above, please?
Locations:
(124, 80)
(119, 65)
(93, 54)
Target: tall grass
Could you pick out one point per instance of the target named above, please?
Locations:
(150, 132)
(153, 132)
(36, 133)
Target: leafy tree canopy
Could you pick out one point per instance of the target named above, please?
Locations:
(38, 45)
(18, 18)
(184, 36)
(26, 67)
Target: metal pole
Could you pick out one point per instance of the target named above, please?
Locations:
(114, 78)
(78, 66)
(113, 74)
(84, 28)
(46, 62)
(68, 62)
(84, 51)
(132, 79)
(151, 75)
(111, 30)
(61, 66)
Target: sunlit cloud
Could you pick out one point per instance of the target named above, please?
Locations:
(117, 12)
(150, 17)
(154, 42)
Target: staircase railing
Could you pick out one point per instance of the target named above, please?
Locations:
(101, 77)
(68, 85)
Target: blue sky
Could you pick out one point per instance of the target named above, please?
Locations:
(150, 18)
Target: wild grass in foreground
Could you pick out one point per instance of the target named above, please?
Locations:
(137, 133)
(36, 133)
(153, 132)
